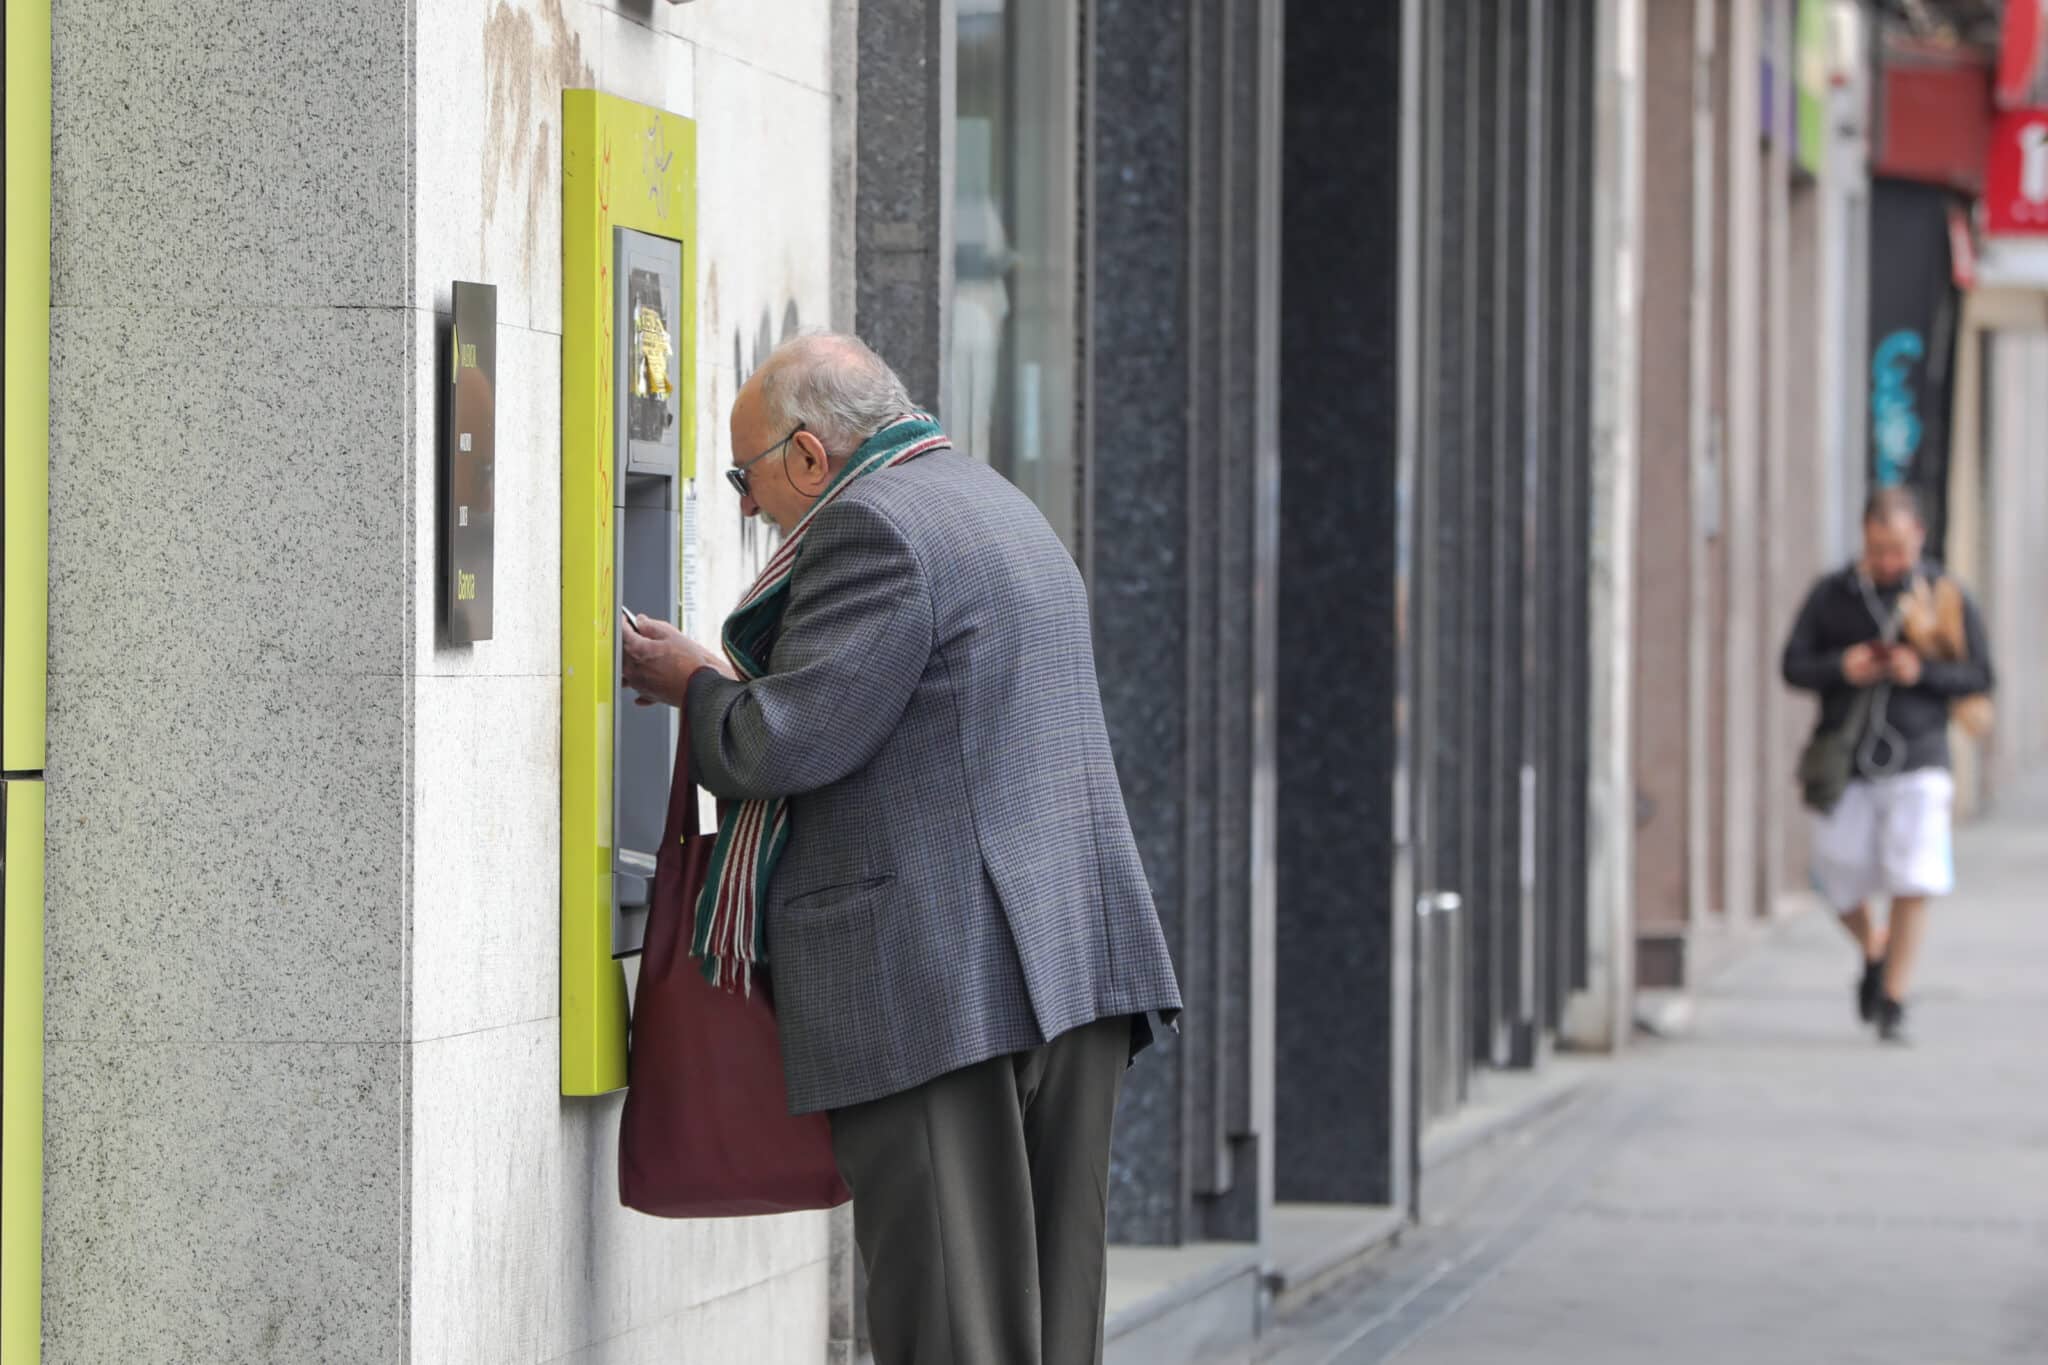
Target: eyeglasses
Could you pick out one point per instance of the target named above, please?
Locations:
(737, 475)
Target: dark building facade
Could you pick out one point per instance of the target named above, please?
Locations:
(1331, 437)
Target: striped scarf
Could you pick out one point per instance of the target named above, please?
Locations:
(730, 935)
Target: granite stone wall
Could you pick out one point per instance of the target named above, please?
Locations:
(230, 714)
(304, 888)
(1338, 1133)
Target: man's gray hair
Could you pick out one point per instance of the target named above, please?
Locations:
(840, 391)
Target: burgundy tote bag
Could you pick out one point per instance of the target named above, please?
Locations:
(707, 1131)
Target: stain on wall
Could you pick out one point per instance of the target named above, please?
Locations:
(530, 57)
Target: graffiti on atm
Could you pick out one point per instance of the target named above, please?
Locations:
(655, 156)
(604, 368)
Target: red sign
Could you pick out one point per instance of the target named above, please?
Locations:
(1936, 115)
(2016, 179)
(2019, 52)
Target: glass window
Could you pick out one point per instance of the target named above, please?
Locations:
(1010, 383)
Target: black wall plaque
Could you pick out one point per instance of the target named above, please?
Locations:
(469, 466)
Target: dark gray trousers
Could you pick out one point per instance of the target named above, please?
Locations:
(979, 1205)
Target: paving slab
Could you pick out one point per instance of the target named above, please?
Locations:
(1773, 1184)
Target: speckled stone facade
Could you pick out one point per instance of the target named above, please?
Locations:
(225, 1076)
(903, 208)
(1340, 602)
(303, 922)
(1185, 461)
(1141, 537)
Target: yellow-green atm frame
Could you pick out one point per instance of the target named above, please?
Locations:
(24, 665)
(624, 165)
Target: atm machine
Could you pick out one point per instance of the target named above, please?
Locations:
(628, 442)
(645, 548)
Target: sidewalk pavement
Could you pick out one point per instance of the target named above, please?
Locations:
(1776, 1186)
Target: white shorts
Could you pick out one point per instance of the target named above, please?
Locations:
(1886, 837)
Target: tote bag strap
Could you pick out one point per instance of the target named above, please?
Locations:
(678, 867)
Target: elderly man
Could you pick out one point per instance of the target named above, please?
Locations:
(906, 730)
(1882, 829)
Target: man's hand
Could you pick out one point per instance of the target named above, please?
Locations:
(1904, 663)
(657, 661)
(1863, 665)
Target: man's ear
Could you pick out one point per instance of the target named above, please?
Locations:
(810, 455)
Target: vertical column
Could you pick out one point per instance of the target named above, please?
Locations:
(1608, 510)
(1340, 1034)
(1806, 512)
(1664, 567)
(1262, 949)
(903, 193)
(1703, 466)
(1574, 564)
(1713, 792)
(1781, 511)
(1483, 685)
(1238, 208)
(1450, 430)
(1203, 970)
(1449, 340)
(1232, 453)
(2017, 479)
(1519, 172)
(1141, 544)
(1562, 658)
(1966, 508)
(1529, 415)
(1743, 451)
(2028, 479)
(1435, 718)
(1556, 210)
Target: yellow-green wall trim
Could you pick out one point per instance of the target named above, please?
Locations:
(21, 1080)
(24, 665)
(27, 394)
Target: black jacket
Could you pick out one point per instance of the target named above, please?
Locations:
(1837, 615)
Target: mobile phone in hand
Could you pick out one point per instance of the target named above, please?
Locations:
(626, 615)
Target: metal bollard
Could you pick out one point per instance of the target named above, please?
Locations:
(1441, 934)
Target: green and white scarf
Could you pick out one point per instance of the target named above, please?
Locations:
(731, 935)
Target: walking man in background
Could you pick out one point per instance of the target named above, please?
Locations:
(962, 942)
(1869, 641)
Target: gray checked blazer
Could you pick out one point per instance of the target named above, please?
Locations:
(960, 880)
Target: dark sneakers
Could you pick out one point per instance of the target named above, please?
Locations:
(1891, 1021)
(1869, 991)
